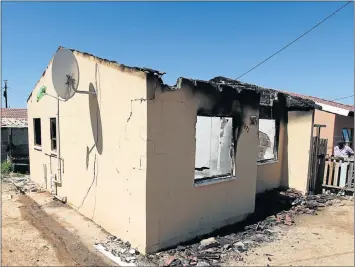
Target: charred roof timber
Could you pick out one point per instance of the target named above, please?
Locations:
(221, 84)
(104, 60)
(229, 87)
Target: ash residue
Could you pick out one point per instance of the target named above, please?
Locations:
(274, 212)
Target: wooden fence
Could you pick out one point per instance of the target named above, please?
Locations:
(339, 173)
(316, 164)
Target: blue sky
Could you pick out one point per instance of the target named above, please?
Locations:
(191, 39)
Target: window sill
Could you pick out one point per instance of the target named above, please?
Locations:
(38, 148)
(270, 161)
(52, 154)
(214, 180)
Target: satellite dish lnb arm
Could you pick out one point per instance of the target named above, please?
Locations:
(71, 82)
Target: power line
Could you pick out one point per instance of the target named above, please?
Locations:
(262, 62)
(342, 98)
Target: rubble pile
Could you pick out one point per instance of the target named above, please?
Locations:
(124, 250)
(24, 184)
(274, 210)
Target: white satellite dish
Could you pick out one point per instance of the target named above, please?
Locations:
(65, 74)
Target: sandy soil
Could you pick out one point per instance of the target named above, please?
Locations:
(37, 231)
(326, 239)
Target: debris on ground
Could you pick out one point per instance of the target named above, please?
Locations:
(6, 197)
(123, 251)
(209, 243)
(23, 184)
(274, 210)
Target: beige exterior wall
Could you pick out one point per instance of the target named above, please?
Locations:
(176, 209)
(296, 155)
(137, 179)
(107, 185)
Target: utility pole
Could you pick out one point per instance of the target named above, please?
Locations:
(9, 156)
(5, 93)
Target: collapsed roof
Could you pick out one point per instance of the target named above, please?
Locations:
(217, 84)
(267, 95)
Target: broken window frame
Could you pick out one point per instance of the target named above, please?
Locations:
(221, 177)
(37, 132)
(53, 133)
(268, 112)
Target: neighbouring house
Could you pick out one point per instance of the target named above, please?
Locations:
(338, 120)
(157, 165)
(14, 128)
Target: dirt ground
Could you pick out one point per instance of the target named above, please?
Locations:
(326, 239)
(37, 231)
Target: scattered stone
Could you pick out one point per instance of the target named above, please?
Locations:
(180, 248)
(259, 238)
(278, 207)
(270, 232)
(130, 259)
(6, 197)
(208, 256)
(202, 263)
(209, 243)
(193, 262)
(227, 246)
(24, 184)
(240, 246)
(225, 241)
(176, 262)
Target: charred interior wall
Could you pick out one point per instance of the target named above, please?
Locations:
(270, 172)
(177, 208)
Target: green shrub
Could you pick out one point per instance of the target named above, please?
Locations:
(6, 167)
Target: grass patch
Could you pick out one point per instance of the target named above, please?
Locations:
(6, 167)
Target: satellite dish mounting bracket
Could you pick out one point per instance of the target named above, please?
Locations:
(71, 82)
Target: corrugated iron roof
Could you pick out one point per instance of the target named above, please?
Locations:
(13, 123)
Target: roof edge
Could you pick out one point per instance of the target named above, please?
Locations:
(102, 60)
(334, 110)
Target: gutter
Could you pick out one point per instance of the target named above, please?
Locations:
(335, 110)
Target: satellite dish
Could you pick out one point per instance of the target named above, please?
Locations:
(65, 73)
